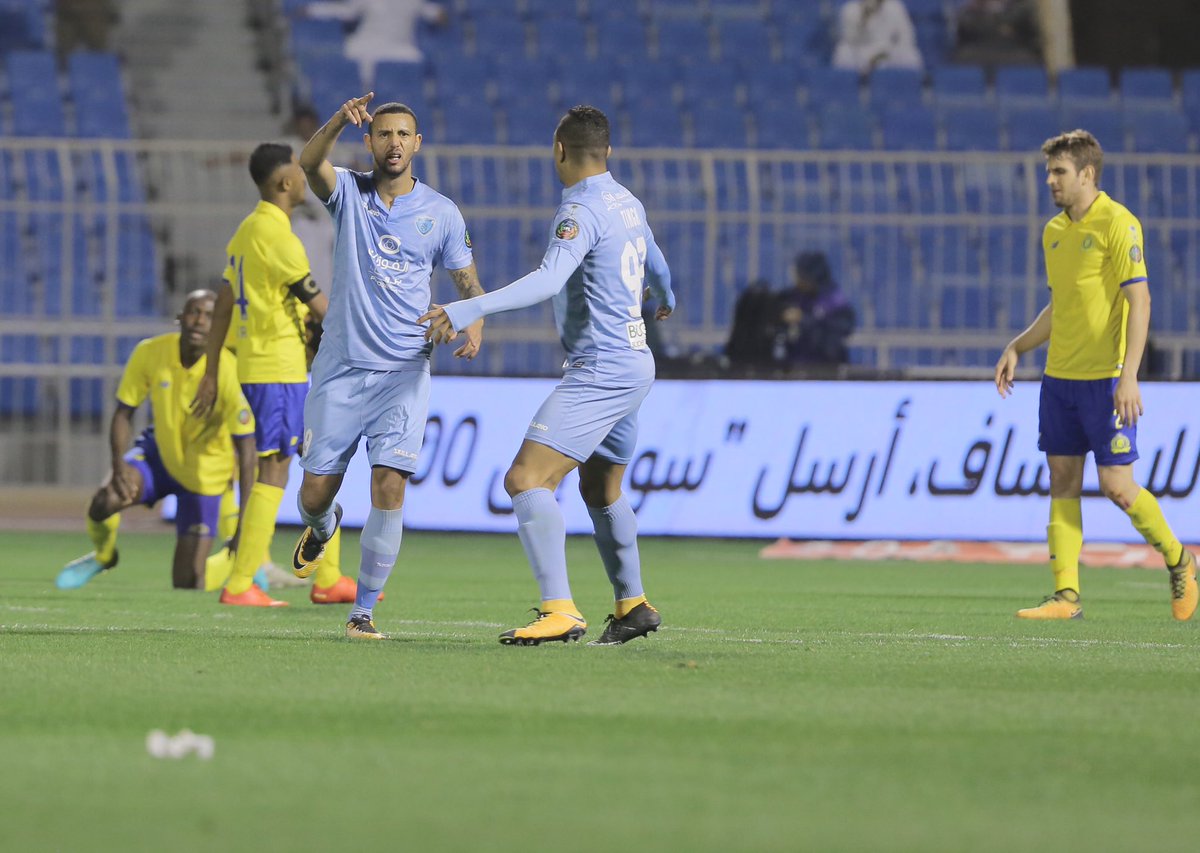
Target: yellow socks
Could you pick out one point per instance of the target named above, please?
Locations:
(624, 605)
(1148, 520)
(104, 537)
(227, 517)
(258, 528)
(217, 569)
(1064, 534)
(330, 567)
(561, 605)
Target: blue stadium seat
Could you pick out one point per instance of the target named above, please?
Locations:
(1147, 88)
(772, 83)
(1030, 126)
(910, 130)
(806, 42)
(461, 76)
(1152, 132)
(317, 37)
(561, 37)
(971, 129)
(586, 81)
(525, 79)
(498, 34)
(399, 81)
(744, 38)
(1016, 82)
(37, 101)
(831, 86)
(468, 121)
(97, 120)
(845, 129)
(1077, 86)
(716, 126)
(530, 124)
(623, 36)
(1189, 90)
(656, 126)
(329, 78)
(958, 83)
(1105, 125)
(965, 307)
(684, 40)
(648, 81)
(94, 77)
(895, 89)
(710, 84)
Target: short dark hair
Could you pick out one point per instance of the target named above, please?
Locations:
(584, 129)
(394, 107)
(266, 158)
(1080, 147)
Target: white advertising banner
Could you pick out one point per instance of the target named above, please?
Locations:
(814, 460)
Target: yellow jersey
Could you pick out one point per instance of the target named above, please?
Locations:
(264, 259)
(195, 452)
(1087, 264)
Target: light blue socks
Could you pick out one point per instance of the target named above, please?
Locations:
(616, 539)
(543, 533)
(380, 544)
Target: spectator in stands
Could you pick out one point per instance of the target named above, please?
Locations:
(383, 29)
(875, 34)
(83, 24)
(752, 339)
(997, 32)
(814, 316)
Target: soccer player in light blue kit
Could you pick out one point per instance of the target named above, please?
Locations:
(371, 374)
(595, 269)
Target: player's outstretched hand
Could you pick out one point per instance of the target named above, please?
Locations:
(1006, 371)
(206, 396)
(441, 330)
(470, 349)
(354, 111)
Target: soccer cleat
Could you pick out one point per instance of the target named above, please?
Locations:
(277, 577)
(341, 591)
(1184, 592)
(638, 622)
(310, 549)
(549, 627)
(1056, 606)
(362, 628)
(253, 597)
(78, 572)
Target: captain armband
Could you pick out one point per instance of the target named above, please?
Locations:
(305, 289)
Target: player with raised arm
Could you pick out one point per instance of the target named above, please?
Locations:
(595, 270)
(1097, 323)
(371, 374)
(267, 293)
(179, 454)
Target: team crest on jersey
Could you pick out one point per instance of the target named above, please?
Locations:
(1088, 242)
(1135, 254)
(424, 224)
(568, 229)
(244, 416)
(389, 245)
(1120, 444)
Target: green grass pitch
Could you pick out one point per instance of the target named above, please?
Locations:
(783, 706)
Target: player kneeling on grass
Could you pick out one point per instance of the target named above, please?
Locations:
(179, 454)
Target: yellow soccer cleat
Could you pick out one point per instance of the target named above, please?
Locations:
(1057, 606)
(362, 628)
(310, 549)
(549, 627)
(1184, 592)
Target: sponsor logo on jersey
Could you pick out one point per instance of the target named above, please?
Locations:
(389, 245)
(424, 224)
(568, 229)
(405, 453)
(1088, 242)
(308, 437)
(537, 426)
(467, 238)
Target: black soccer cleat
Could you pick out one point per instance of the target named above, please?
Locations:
(638, 622)
(310, 549)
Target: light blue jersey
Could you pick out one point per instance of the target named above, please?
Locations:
(595, 268)
(382, 263)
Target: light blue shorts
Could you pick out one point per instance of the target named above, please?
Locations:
(345, 403)
(591, 412)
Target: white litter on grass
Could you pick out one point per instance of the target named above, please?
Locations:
(162, 745)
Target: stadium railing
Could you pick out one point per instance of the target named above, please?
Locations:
(939, 252)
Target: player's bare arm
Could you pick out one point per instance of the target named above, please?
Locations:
(206, 391)
(247, 462)
(466, 282)
(120, 436)
(1032, 338)
(1127, 396)
(314, 159)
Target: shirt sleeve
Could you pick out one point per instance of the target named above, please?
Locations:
(547, 280)
(343, 177)
(135, 380)
(290, 261)
(1125, 250)
(658, 274)
(456, 242)
(575, 231)
(231, 402)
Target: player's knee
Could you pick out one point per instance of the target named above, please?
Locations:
(519, 479)
(598, 493)
(1118, 494)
